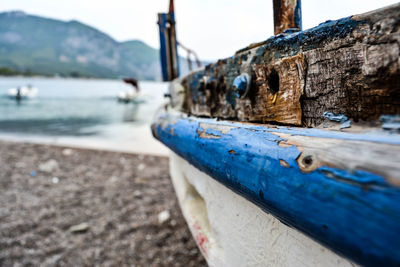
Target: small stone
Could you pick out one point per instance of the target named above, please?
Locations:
(20, 165)
(113, 179)
(55, 180)
(140, 180)
(141, 167)
(164, 216)
(137, 193)
(67, 152)
(79, 228)
(48, 166)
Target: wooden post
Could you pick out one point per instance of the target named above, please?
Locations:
(287, 14)
(168, 44)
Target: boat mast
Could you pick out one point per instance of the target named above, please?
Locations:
(168, 44)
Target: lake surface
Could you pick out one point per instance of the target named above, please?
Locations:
(81, 112)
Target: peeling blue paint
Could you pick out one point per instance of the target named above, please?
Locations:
(213, 132)
(290, 31)
(346, 124)
(355, 213)
(358, 177)
(291, 44)
(390, 122)
(377, 137)
(230, 98)
(335, 117)
(297, 15)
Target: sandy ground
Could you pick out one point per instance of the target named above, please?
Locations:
(76, 207)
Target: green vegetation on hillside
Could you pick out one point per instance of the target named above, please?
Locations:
(54, 47)
(8, 72)
(4, 71)
(32, 45)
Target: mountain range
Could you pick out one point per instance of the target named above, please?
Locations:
(33, 44)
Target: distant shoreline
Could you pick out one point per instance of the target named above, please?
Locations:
(38, 76)
(55, 77)
(9, 72)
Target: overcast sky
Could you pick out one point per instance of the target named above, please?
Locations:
(213, 28)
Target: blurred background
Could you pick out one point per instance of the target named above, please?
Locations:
(62, 65)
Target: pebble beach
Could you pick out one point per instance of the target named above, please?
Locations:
(62, 206)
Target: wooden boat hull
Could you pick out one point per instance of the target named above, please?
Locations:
(341, 189)
(232, 231)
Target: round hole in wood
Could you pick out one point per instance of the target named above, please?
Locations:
(273, 81)
(307, 160)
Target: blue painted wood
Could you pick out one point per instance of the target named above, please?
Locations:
(361, 224)
(162, 24)
(168, 44)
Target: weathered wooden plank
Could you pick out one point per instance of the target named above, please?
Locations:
(349, 66)
(290, 72)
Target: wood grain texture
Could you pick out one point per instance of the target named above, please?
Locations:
(281, 104)
(287, 15)
(350, 66)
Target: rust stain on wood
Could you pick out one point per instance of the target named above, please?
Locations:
(285, 16)
(281, 86)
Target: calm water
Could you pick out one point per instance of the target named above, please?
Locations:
(75, 106)
(79, 108)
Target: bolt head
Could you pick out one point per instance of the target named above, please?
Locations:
(241, 84)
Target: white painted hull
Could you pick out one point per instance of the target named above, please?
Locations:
(231, 231)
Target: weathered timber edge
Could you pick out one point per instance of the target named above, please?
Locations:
(307, 178)
(349, 66)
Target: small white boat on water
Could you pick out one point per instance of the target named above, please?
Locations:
(23, 92)
(128, 96)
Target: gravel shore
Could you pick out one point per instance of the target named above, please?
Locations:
(77, 207)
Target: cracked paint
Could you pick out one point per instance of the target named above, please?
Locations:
(327, 203)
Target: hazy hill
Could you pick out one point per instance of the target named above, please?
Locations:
(49, 46)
